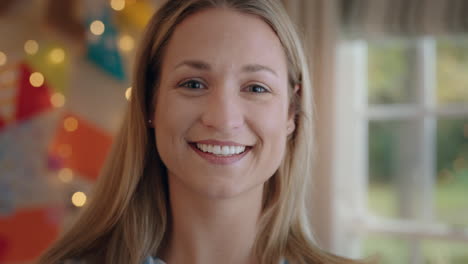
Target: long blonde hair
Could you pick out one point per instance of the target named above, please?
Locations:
(128, 217)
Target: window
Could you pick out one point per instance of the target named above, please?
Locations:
(402, 149)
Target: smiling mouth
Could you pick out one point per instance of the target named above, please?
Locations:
(221, 150)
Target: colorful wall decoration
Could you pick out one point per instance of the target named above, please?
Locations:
(63, 80)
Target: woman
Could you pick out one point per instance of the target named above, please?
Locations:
(212, 161)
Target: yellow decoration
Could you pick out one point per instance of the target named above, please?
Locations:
(52, 62)
(57, 55)
(136, 14)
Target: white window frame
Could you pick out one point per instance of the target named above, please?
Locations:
(351, 165)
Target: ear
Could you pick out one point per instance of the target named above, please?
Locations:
(291, 124)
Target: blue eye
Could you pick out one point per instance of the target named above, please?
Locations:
(193, 84)
(255, 88)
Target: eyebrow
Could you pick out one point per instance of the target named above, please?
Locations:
(200, 65)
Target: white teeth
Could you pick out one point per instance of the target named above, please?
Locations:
(221, 150)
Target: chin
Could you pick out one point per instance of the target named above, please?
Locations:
(230, 191)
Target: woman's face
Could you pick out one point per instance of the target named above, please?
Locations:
(221, 117)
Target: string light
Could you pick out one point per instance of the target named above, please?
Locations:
(97, 27)
(126, 43)
(128, 93)
(57, 55)
(65, 175)
(57, 100)
(3, 58)
(78, 199)
(70, 124)
(117, 5)
(36, 79)
(31, 47)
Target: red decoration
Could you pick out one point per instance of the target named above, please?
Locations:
(83, 150)
(30, 100)
(26, 234)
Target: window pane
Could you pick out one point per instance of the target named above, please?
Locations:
(389, 69)
(451, 197)
(445, 252)
(395, 171)
(389, 250)
(452, 71)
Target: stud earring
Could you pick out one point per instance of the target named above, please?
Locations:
(150, 122)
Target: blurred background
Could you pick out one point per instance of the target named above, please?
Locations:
(391, 89)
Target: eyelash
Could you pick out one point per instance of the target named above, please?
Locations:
(184, 84)
(249, 88)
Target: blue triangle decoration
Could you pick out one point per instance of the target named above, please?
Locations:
(102, 50)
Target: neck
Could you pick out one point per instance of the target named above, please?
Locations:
(209, 230)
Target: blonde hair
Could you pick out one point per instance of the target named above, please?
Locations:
(129, 216)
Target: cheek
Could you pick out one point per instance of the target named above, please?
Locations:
(270, 125)
(172, 115)
(273, 120)
(170, 121)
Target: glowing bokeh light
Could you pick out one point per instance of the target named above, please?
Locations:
(65, 175)
(117, 5)
(3, 58)
(128, 93)
(78, 199)
(57, 55)
(57, 100)
(97, 27)
(31, 47)
(36, 79)
(126, 43)
(70, 124)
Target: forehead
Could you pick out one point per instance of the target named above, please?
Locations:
(223, 37)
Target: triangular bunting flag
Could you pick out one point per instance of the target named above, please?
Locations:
(31, 100)
(81, 146)
(23, 163)
(53, 61)
(136, 14)
(27, 233)
(102, 44)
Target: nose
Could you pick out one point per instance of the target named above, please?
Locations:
(223, 111)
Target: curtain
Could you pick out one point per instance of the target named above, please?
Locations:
(319, 23)
(374, 18)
